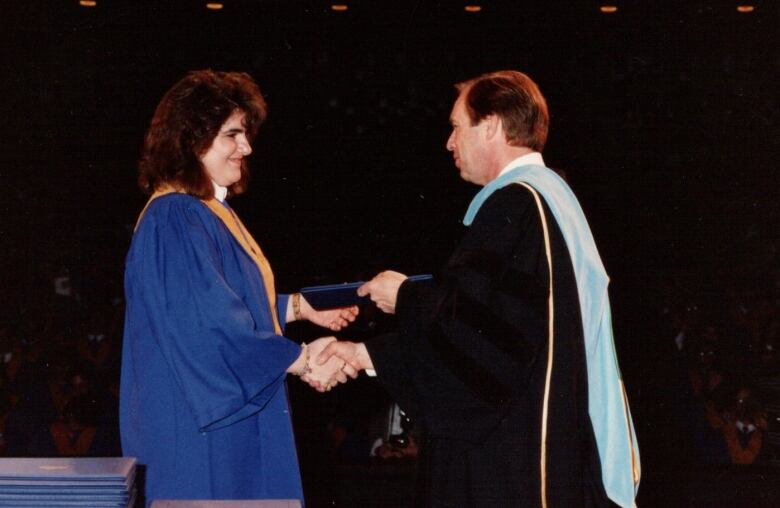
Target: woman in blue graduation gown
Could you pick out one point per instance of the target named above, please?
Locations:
(203, 404)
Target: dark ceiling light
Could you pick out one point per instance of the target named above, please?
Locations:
(87, 3)
(608, 9)
(214, 6)
(339, 7)
(472, 8)
(745, 8)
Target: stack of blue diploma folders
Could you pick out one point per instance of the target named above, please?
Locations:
(58, 482)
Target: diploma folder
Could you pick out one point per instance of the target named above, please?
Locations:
(333, 296)
(109, 470)
(106, 482)
(267, 503)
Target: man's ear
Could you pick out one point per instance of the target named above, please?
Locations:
(494, 127)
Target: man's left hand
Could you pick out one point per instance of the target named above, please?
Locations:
(383, 290)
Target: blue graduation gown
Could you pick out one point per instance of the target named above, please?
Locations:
(203, 403)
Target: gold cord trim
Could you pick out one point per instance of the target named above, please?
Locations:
(548, 377)
(636, 473)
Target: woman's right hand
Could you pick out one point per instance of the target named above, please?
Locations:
(323, 377)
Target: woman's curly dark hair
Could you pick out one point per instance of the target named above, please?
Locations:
(185, 124)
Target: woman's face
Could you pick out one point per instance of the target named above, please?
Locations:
(223, 159)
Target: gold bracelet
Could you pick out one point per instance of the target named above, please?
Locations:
(306, 368)
(296, 303)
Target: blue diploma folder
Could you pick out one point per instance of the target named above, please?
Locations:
(267, 503)
(343, 295)
(51, 471)
(101, 482)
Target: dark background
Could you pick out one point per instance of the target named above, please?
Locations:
(664, 119)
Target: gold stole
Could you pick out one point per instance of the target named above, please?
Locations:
(242, 236)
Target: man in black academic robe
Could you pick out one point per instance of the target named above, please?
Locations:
(492, 365)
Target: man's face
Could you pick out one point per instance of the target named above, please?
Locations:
(467, 144)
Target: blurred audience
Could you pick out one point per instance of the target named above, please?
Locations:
(720, 371)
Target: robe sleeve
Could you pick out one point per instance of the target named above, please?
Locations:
(391, 364)
(485, 322)
(226, 368)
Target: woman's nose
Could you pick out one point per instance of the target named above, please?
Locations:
(244, 146)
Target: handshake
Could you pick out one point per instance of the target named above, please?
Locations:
(329, 362)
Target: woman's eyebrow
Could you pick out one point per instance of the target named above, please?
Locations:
(234, 130)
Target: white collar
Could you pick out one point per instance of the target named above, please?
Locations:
(220, 193)
(533, 158)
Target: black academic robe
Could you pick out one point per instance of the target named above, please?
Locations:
(469, 361)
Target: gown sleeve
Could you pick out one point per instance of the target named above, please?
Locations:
(485, 321)
(226, 367)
